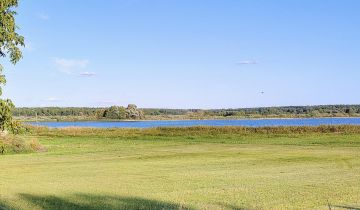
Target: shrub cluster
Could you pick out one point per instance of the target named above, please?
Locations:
(10, 144)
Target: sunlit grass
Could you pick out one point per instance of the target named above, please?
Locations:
(195, 168)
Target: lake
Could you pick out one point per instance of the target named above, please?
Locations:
(186, 123)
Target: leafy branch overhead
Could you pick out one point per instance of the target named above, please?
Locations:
(10, 41)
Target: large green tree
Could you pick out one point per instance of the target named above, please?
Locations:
(10, 41)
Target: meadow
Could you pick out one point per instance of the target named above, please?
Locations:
(185, 168)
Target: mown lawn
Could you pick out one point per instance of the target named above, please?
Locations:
(167, 169)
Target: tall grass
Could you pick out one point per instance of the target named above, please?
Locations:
(11, 144)
(193, 131)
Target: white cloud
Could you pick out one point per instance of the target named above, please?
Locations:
(247, 62)
(87, 74)
(105, 103)
(69, 66)
(52, 99)
(43, 16)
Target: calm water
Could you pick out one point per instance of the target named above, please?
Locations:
(185, 123)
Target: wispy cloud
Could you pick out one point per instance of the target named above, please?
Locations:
(43, 16)
(105, 103)
(87, 74)
(52, 99)
(70, 66)
(247, 62)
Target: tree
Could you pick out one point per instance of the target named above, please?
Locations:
(132, 112)
(115, 112)
(10, 41)
(112, 112)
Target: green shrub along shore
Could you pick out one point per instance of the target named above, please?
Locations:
(185, 168)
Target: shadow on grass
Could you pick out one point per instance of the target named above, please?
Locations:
(90, 202)
(347, 207)
(232, 207)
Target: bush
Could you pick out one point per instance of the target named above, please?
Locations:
(10, 144)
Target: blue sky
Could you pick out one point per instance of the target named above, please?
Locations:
(187, 53)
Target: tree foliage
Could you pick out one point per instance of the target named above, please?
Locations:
(10, 41)
(132, 112)
(120, 112)
(113, 112)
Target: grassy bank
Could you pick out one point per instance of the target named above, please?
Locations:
(186, 168)
(204, 132)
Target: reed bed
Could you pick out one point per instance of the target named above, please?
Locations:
(194, 131)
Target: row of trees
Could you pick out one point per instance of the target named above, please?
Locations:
(113, 112)
(56, 111)
(132, 112)
(311, 111)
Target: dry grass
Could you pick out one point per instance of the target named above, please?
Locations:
(194, 131)
(10, 144)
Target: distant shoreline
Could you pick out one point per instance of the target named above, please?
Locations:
(183, 119)
(132, 113)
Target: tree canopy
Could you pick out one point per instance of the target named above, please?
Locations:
(10, 42)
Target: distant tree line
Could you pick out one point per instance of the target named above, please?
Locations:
(286, 111)
(113, 112)
(155, 112)
(132, 112)
(310, 111)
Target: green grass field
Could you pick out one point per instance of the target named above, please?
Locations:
(197, 168)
